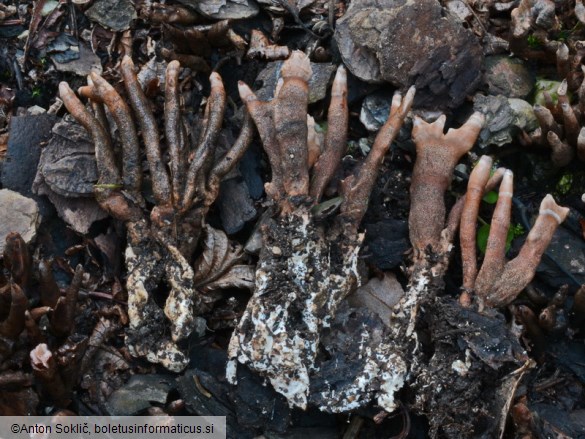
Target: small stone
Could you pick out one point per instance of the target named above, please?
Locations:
(461, 168)
(460, 9)
(365, 145)
(508, 76)
(235, 205)
(460, 367)
(504, 119)
(112, 14)
(275, 7)
(387, 241)
(17, 214)
(276, 251)
(532, 14)
(22, 158)
(254, 243)
(199, 327)
(139, 393)
(565, 261)
(82, 65)
(375, 110)
(35, 110)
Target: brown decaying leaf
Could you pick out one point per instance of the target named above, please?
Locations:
(220, 265)
(47, 31)
(379, 295)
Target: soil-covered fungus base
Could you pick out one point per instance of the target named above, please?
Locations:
(307, 268)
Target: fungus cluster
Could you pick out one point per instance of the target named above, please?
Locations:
(309, 264)
(307, 267)
(161, 239)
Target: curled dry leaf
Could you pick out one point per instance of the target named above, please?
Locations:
(379, 296)
(221, 265)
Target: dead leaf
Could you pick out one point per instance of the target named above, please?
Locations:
(379, 296)
(220, 264)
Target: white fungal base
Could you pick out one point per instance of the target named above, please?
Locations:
(298, 291)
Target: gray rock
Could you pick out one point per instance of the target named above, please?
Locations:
(82, 65)
(273, 6)
(139, 393)
(199, 327)
(375, 110)
(235, 205)
(318, 84)
(564, 261)
(27, 133)
(460, 9)
(504, 119)
(433, 51)
(113, 14)
(525, 118)
(234, 201)
(35, 110)
(224, 9)
(532, 14)
(251, 169)
(508, 76)
(17, 214)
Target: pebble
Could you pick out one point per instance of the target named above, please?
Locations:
(508, 76)
(18, 214)
(434, 52)
(112, 14)
(139, 393)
